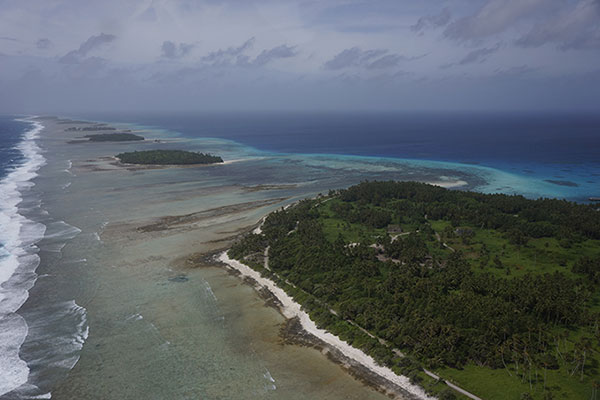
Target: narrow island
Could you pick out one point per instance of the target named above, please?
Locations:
(168, 157)
(114, 137)
(498, 295)
(107, 137)
(95, 127)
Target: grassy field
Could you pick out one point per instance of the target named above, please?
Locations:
(497, 384)
(537, 256)
(353, 233)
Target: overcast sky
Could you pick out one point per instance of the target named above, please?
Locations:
(74, 55)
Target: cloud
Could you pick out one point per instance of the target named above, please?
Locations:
(230, 55)
(515, 72)
(90, 67)
(568, 25)
(479, 55)
(574, 28)
(353, 57)
(94, 42)
(475, 56)
(236, 56)
(173, 51)
(283, 51)
(495, 17)
(434, 21)
(43, 44)
(387, 61)
(369, 59)
(364, 43)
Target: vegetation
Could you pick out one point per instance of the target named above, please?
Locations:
(114, 137)
(97, 127)
(497, 293)
(168, 157)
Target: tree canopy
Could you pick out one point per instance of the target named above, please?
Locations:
(168, 157)
(496, 281)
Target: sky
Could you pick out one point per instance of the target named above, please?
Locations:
(152, 55)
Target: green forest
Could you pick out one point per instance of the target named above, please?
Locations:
(168, 157)
(498, 294)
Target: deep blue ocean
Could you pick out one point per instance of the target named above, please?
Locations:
(557, 149)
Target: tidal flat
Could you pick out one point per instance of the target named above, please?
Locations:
(162, 322)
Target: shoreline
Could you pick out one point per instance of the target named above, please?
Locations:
(19, 259)
(292, 310)
(192, 329)
(139, 251)
(490, 177)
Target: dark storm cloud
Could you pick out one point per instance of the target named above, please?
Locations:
(43, 43)
(173, 51)
(434, 21)
(94, 42)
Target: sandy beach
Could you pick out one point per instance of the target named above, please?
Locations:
(164, 321)
(394, 385)
(150, 312)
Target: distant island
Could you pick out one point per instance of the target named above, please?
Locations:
(114, 137)
(97, 127)
(562, 183)
(168, 157)
(498, 294)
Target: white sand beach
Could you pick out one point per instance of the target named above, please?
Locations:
(290, 309)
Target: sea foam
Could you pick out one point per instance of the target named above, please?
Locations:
(18, 259)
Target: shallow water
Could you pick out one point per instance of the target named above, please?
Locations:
(109, 287)
(150, 326)
(535, 154)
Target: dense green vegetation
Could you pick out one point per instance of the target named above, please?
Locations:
(114, 137)
(168, 157)
(497, 293)
(96, 127)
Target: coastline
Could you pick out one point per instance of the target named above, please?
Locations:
(19, 258)
(290, 309)
(491, 177)
(187, 332)
(127, 268)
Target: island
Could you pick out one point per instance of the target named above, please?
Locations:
(497, 295)
(95, 127)
(168, 157)
(114, 137)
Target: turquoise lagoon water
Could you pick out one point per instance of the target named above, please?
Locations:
(536, 155)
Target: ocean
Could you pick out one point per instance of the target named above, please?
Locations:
(38, 343)
(534, 154)
(20, 160)
(57, 276)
